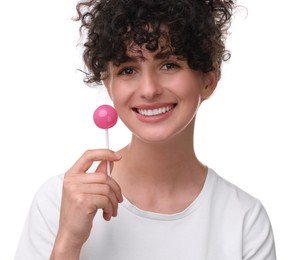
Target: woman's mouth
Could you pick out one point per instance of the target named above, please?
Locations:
(154, 111)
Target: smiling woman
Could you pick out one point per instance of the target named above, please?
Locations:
(159, 61)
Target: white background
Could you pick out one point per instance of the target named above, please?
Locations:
(252, 131)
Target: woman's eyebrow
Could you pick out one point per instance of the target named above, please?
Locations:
(139, 57)
(136, 58)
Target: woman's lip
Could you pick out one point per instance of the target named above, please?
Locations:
(154, 113)
(153, 106)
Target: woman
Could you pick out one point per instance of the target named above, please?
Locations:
(159, 60)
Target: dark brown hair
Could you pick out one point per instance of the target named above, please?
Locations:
(193, 30)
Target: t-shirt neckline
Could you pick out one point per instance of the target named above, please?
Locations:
(126, 204)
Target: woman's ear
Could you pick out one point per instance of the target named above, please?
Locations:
(210, 82)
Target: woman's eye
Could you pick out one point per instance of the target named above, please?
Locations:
(126, 71)
(170, 66)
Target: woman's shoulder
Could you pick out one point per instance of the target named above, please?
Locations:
(48, 195)
(52, 186)
(234, 205)
(41, 224)
(237, 212)
(228, 195)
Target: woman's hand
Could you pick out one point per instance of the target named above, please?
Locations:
(83, 194)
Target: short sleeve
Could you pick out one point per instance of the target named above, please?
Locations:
(40, 229)
(258, 240)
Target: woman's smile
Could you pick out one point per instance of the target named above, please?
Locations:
(154, 113)
(153, 110)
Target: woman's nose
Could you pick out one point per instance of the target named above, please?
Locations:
(150, 86)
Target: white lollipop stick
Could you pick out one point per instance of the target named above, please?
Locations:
(107, 147)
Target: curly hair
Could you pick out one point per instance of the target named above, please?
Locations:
(192, 30)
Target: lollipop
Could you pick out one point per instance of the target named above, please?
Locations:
(105, 117)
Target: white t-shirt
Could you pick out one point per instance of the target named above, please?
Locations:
(223, 223)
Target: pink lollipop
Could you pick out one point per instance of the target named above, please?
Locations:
(105, 117)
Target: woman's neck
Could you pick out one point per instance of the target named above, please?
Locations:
(149, 173)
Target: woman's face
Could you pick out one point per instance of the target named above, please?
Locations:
(157, 98)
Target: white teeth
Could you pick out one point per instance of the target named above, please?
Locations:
(154, 112)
